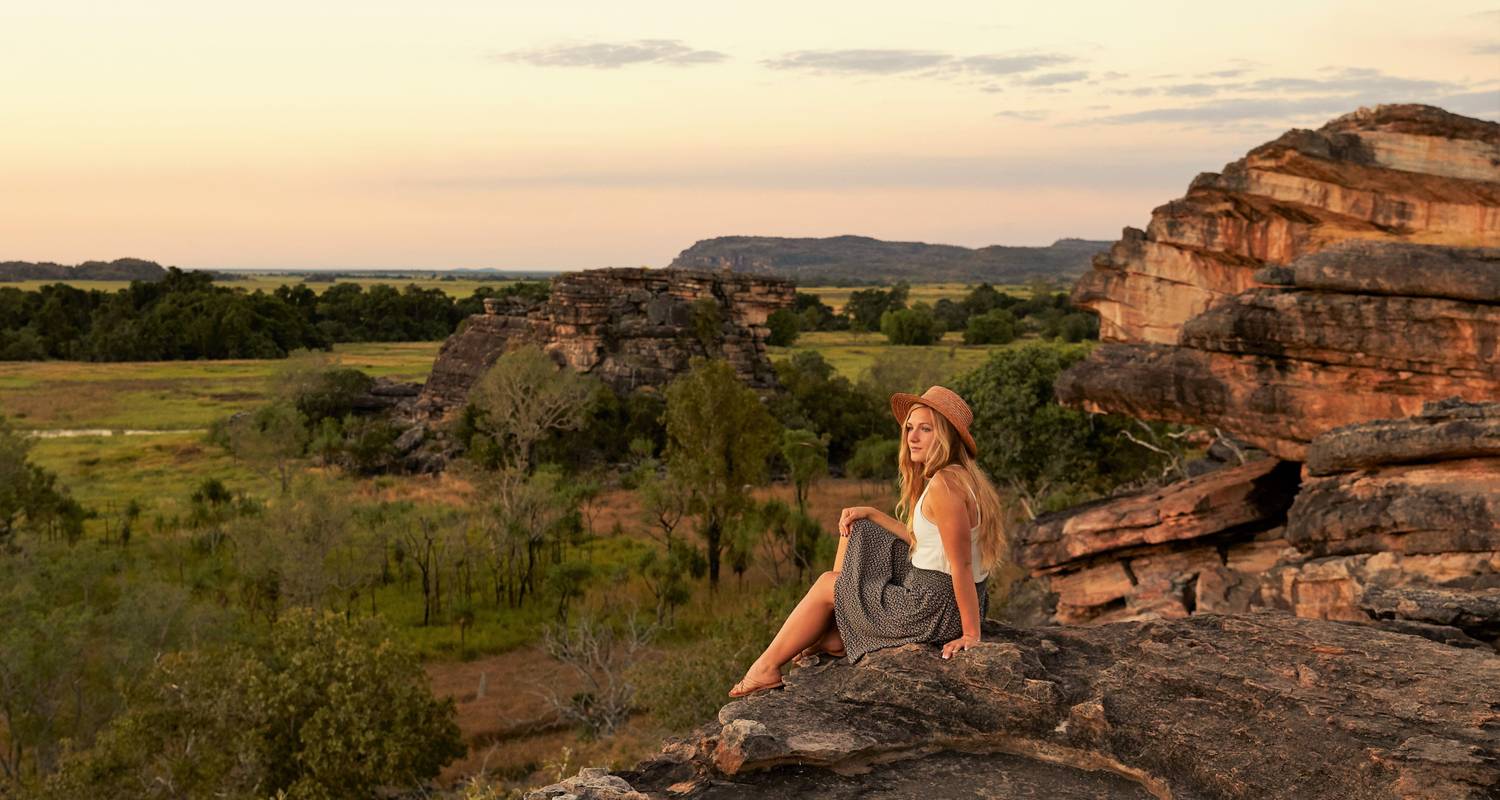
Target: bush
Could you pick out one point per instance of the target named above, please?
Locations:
(875, 459)
(814, 397)
(911, 326)
(324, 709)
(785, 325)
(997, 326)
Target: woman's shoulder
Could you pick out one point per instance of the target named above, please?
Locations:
(949, 483)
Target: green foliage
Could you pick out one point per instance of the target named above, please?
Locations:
(611, 424)
(1051, 455)
(905, 370)
(785, 324)
(815, 315)
(719, 437)
(806, 457)
(666, 572)
(524, 397)
(911, 326)
(816, 398)
(875, 458)
(324, 709)
(30, 496)
(996, 326)
(708, 325)
(865, 308)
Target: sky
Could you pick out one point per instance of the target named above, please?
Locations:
(572, 135)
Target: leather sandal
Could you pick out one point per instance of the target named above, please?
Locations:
(745, 689)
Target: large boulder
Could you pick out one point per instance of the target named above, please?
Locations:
(1248, 706)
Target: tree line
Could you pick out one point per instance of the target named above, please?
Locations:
(985, 316)
(185, 316)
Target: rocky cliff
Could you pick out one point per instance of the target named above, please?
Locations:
(862, 260)
(632, 328)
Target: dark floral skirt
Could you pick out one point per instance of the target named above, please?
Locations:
(881, 600)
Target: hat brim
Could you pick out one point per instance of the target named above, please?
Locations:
(901, 404)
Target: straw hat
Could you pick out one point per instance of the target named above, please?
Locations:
(943, 401)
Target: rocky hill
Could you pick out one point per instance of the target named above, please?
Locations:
(1318, 615)
(121, 269)
(862, 260)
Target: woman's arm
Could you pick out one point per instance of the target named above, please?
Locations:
(878, 517)
(952, 520)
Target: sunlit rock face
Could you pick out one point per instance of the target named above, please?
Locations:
(632, 328)
(1329, 277)
(1400, 173)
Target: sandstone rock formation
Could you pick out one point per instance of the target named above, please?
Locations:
(1394, 522)
(630, 327)
(1247, 706)
(1329, 277)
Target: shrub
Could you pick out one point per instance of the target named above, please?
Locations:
(911, 326)
(997, 326)
(785, 325)
(875, 458)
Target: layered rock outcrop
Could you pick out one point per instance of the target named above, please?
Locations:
(1248, 706)
(1329, 277)
(1394, 523)
(630, 327)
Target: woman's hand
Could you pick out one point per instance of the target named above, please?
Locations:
(961, 643)
(849, 516)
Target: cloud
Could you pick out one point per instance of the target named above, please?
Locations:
(1024, 116)
(1010, 65)
(1054, 78)
(1489, 49)
(1227, 73)
(1167, 166)
(1351, 80)
(612, 55)
(1195, 89)
(865, 62)
(928, 62)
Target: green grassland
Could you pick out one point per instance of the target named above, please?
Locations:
(852, 352)
(836, 296)
(170, 395)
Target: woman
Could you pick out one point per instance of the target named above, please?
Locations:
(894, 584)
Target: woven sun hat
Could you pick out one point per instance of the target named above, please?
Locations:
(944, 401)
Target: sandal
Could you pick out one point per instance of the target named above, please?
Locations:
(811, 657)
(745, 689)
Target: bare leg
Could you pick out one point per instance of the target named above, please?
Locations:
(806, 625)
(838, 557)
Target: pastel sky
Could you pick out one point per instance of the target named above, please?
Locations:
(568, 135)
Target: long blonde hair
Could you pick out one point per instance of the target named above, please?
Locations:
(947, 450)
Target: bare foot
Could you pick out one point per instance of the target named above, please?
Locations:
(757, 679)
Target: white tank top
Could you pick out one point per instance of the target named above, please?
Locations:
(929, 553)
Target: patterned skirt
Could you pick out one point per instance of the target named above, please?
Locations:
(881, 600)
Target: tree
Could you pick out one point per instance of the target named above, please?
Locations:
(904, 370)
(996, 326)
(29, 494)
(865, 307)
(270, 439)
(785, 325)
(911, 326)
(1052, 456)
(875, 458)
(324, 709)
(815, 397)
(806, 456)
(525, 396)
(719, 440)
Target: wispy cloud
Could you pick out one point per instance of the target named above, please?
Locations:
(1488, 49)
(860, 62)
(613, 55)
(1287, 100)
(1024, 116)
(928, 63)
(1054, 78)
